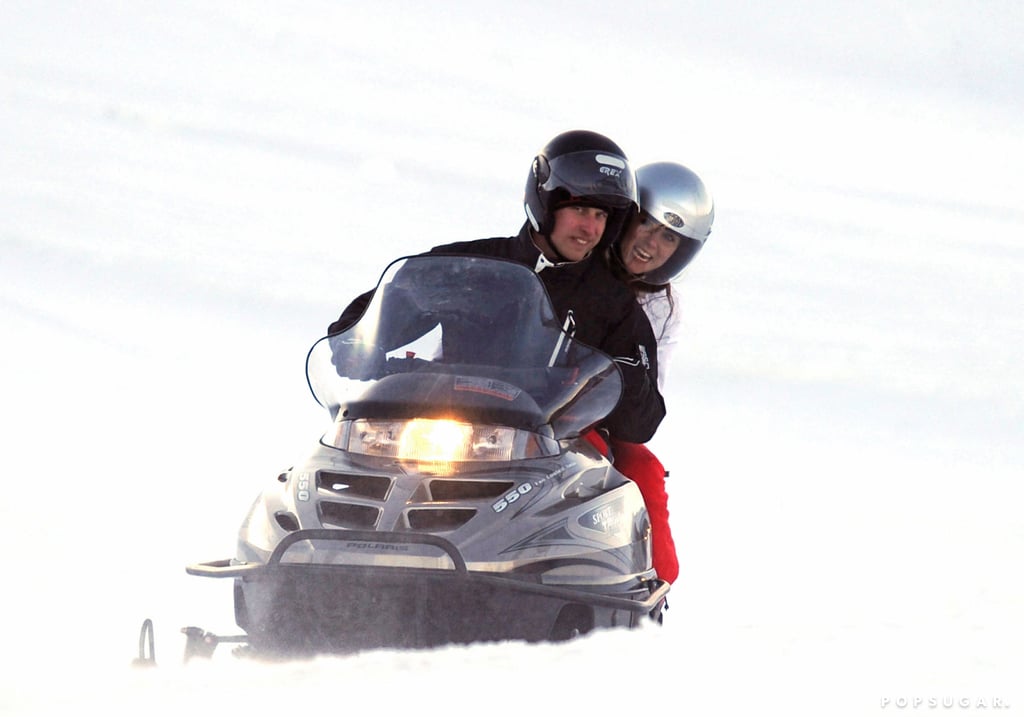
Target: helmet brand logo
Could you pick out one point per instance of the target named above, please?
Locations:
(673, 219)
(610, 172)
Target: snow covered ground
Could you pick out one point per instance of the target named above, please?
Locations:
(191, 191)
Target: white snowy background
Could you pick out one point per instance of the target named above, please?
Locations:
(191, 191)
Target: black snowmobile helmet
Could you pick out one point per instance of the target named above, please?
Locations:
(585, 168)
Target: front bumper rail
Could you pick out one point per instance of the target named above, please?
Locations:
(227, 568)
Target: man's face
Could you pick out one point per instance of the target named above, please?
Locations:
(577, 230)
(647, 245)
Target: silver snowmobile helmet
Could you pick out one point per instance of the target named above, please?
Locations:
(580, 167)
(675, 197)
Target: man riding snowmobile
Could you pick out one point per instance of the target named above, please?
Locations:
(580, 193)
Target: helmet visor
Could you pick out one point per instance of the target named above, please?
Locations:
(603, 177)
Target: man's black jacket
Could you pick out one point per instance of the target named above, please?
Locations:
(606, 316)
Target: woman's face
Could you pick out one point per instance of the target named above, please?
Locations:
(646, 245)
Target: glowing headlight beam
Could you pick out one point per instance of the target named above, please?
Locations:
(425, 439)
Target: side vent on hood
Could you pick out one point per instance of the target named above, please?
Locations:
(455, 490)
(348, 515)
(287, 520)
(439, 519)
(356, 486)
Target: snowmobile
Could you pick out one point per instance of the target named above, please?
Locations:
(452, 499)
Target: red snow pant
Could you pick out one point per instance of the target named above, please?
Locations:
(636, 462)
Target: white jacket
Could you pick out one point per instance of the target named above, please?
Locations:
(666, 321)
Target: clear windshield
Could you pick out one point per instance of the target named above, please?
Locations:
(468, 338)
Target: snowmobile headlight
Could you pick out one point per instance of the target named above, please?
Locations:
(430, 440)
